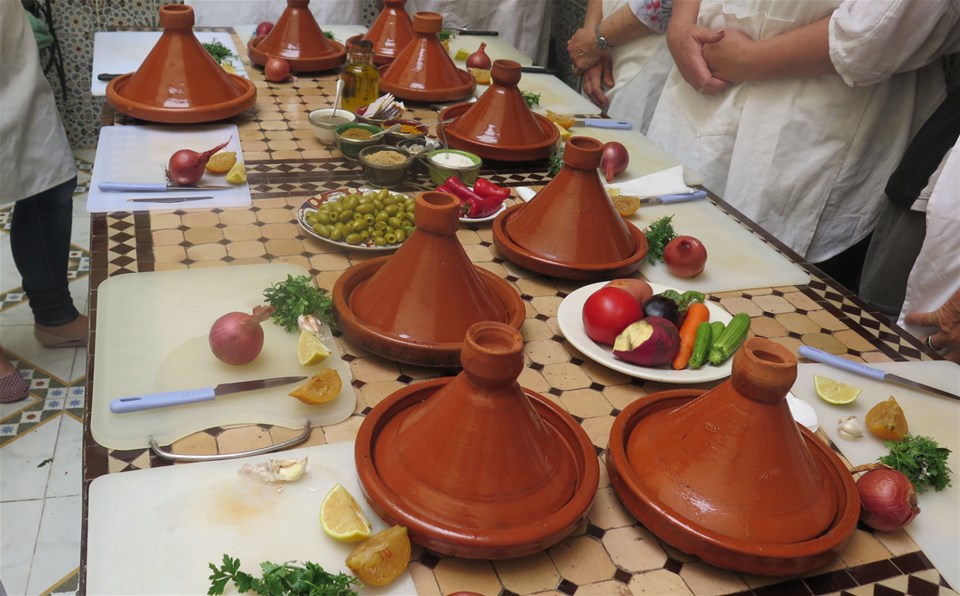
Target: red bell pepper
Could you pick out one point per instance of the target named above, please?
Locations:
(485, 188)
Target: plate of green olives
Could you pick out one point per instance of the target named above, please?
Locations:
(365, 218)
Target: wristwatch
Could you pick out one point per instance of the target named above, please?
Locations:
(601, 40)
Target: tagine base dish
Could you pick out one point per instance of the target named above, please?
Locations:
(534, 536)
(407, 350)
(716, 549)
(498, 152)
(192, 115)
(566, 270)
(462, 91)
(304, 63)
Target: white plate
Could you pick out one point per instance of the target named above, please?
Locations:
(311, 205)
(491, 217)
(571, 325)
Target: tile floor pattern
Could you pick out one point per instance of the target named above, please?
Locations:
(41, 437)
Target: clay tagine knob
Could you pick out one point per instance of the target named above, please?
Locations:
(734, 461)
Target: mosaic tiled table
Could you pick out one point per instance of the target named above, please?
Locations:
(610, 553)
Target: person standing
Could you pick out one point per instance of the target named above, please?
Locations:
(37, 173)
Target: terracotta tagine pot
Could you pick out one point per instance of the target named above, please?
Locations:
(298, 39)
(179, 82)
(476, 466)
(391, 32)
(571, 229)
(423, 70)
(499, 125)
(728, 476)
(416, 305)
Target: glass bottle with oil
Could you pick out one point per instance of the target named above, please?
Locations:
(361, 80)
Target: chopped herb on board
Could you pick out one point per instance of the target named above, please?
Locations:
(307, 579)
(298, 296)
(659, 234)
(219, 51)
(921, 460)
(445, 34)
(532, 99)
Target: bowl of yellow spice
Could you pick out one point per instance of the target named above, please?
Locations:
(354, 136)
(385, 165)
(409, 129)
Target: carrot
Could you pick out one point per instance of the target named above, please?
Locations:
(696, 313)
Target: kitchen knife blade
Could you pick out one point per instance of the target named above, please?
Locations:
(678, 197)
(136, 403)
(168, 199)
(465, 31)
(536, 69)
(155, 187)
(868, 371)
(604, 123)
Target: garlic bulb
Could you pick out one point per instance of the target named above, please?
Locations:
(850, 428)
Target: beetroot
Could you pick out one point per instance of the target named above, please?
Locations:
(650, 342)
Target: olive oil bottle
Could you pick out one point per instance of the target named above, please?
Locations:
(361, 80)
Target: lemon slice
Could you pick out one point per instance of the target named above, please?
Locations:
(320, 388)
(834, 392)
(342, 518)
(311, 350)
(626, 206)
(383, 558)
(237, 174)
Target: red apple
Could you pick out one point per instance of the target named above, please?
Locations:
(685, 256)
(637, 288)
(264, 27)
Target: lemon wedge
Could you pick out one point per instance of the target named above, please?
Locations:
(320, 388)
(342, 518)
(237, 174)
(834, 392)
(220, 163)
(311, 350)
(383, 558)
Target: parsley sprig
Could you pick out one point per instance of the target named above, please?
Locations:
(921, 460)
(219, 51)
(532, 99)
(659, 234)
(307, 579)
(298, 296)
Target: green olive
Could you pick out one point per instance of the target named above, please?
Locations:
(336, 234)
(400, 235)
(379, 241)
(353, 238)
(345, 215)
(365, 208)
(390, 237)
(394, 222)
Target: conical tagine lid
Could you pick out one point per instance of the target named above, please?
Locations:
(500, 125)
(571, 228)
(417, 305)
(476, 466)
(179, 82)
(391, 32)
(298, 39)
(423, 70)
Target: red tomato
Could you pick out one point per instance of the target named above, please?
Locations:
(609, 311)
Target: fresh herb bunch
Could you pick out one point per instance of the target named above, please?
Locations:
(921, 460)
(298, 296)
(556, 161)
(329, 35)
(532, 99)
(445, 34)
(219, 51)
(659, 234)
(308, 579)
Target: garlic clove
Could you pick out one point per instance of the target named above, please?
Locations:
(850, 428)
(276, 470)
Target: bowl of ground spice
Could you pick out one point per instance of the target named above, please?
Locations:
(409, 129)
(385, 165)
(354, 136)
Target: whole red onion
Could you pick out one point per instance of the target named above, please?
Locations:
(236, 337)
(614, 159)
(888, 500)
(185, 167)
(479, 59)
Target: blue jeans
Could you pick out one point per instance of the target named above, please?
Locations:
(40, 244)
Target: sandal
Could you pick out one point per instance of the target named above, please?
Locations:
(13, 387)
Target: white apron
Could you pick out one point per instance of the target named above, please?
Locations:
(936, 274)
(640, 69)
(807, 158)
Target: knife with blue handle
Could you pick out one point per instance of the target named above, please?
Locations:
(137, 403)
(155, 187)
(868, 371)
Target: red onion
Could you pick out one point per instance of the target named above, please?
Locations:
(264, 27)
(185, 167)
(614, 160)
(479, 59)
(888, 500)
(236, 337)
(276, 70)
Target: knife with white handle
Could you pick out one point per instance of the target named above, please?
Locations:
(677, 197)
(604, 123)
(868, 371)
(154, 187)
(137, 403)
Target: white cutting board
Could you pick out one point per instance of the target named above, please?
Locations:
(556, 96)
(155, 531)
(120, 52)
(497, 49)
(736, 259)
(140, 154)
(937, 529)
(152, 336)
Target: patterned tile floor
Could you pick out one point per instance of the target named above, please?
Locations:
(41, 437)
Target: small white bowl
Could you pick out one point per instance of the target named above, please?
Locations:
(324, 126)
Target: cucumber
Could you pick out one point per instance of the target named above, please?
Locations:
(731, 338)
(701, 345)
